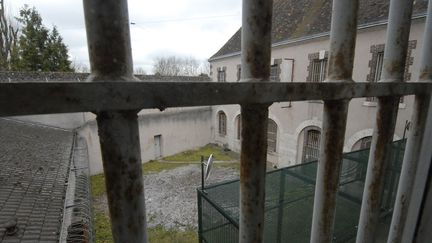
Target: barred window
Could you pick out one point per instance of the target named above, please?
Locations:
(377, 72)
(238, 72)
(271, 136)
(311, 145)
(319, 70)
(377, 60)
(365, 142)
(221, 74)
(222, 123)
(239, 126)
(274, 72)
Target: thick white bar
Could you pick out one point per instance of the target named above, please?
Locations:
(342, 46)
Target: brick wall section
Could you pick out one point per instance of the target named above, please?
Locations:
(34, 164)
(61, 76)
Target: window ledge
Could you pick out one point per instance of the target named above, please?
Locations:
(316, 101)
(370, 103)
(375, 103)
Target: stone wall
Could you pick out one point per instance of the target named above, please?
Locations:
(67, 77)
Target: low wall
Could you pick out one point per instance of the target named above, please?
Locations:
(179, 129)
(64, 77)
(67, 121)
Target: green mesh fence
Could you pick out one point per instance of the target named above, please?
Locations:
(289, 202)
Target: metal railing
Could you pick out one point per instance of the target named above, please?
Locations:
(114, 96)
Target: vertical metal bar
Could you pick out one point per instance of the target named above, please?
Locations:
(417, 207)
(342, 46)
(414, 142)
(108, 39)
(256, 51)
(393, 71)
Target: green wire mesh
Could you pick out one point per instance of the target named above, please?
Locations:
(289, 201)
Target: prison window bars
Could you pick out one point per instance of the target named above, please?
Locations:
(114, 96)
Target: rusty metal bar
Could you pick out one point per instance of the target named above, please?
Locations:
(342, 46)
(255, 59)
(393, 70)
(108, 40)
(414, 143)
(414, 225)
(46, 98)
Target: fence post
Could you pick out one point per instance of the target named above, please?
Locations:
(108, 38)
(342, 45)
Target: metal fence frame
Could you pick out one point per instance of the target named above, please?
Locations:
(115, 98)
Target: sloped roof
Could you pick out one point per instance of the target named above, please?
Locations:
(34, 162)
(295, 19)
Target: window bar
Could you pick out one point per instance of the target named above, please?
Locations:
(255, 58)
(393, 71)
(342, 46)
(414, 142)
(108, 39)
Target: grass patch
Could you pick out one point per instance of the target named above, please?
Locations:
(102, 228)
(98, 181)
(156, 166)
(195, 155)
(233, 165)
(157, 234)
(160, 235)
(97, 185)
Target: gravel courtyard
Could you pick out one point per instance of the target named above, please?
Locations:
(171, 199)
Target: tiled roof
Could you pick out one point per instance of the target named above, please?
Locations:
(34, 164)
(294, 19)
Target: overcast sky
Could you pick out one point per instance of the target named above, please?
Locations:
(195, 28)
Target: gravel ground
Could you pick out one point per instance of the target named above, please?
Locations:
(171, 199)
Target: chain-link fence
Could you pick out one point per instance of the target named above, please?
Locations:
(289, 202)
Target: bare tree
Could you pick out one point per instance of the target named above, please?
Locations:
(204, 68)
(190, 66)
(8, 38)
(139, 71)
(176, 66)
(80, 67)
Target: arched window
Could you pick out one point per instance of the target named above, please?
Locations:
(238, 126)
(271, 136)
(311, 145)
(222, 123)
(363, 143)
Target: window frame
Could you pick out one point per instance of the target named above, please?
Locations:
(315, 147)
(222, 121)
(272, 134)
(221, 74)
(317, 68)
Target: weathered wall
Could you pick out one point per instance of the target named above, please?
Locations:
(292, 119)
(180, 129)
